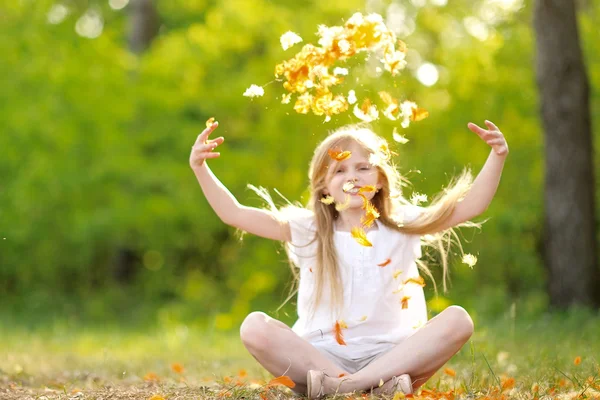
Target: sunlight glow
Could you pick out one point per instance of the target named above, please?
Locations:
(90, 24)
(428, 74)
(57, 14)
(117, 4)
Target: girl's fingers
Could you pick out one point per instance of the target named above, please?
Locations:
(491, 125)
(478, 130)
(494, 142)
(213, 155)
(217, 141)
(205, 133)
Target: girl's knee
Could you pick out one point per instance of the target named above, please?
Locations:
(460, 323)
(253, 330)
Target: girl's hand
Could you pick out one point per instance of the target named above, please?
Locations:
(493, 137)
(203, 148)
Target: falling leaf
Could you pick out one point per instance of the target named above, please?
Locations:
(339, 155)
(227, 379)
(242, 373)
(385, 263)
(371, 214)
(343, 324)
(418, 280)
(340, 71)
(361, 237)
(398, 137)
(397, 272)
(210, 122)
(470, 260)
(342, 375)
(577, 360)
(367, 189)
(285, 99)
(367, 112)
(507, 383)
(449, 371)
(348, 186)
(417, 198)
(254, 91)
(363, 318)
(177, 367)
(282, 380)
(404, 302)
(339, 337)
(327, 200)
(310, 269)
(419, 114)
(343, 206)
(289, 39)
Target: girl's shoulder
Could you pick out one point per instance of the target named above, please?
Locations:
(406, 213)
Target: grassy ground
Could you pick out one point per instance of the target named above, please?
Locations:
(506, 358)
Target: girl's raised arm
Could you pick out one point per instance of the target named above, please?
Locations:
(486, 183)
(253, 220)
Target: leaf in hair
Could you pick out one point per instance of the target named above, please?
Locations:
(361, 237)
(339, 155)
(418, 280)
(327, 200)
(404, 302)
(339, 337)
(385, 263)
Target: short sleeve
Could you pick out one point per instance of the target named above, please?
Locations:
(408, 213)
(302, 246)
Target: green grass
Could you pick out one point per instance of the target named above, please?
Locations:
(110, 362)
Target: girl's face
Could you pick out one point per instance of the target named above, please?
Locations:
(356, 170)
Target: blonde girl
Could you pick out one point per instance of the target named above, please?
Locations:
(355, 251)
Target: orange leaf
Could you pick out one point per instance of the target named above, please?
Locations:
(341, 375)
(508, 383)
(310, 269)
(361, 237)
(151, 377)
(177, 367)
(339, 337)
(404, 302)
(156, 397)
(282, 380)
(242, 373)
(577, 360)
(418, 280)
(419, 114)
(385, 263)
(227, 379)
(449, 371)
(339, 155)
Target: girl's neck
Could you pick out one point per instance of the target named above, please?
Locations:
(349, 219)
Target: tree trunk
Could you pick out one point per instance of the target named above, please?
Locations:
(569, 248)
(144, 24)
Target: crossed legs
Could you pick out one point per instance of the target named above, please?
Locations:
(279, 349)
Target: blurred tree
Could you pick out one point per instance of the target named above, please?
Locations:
(569, 246)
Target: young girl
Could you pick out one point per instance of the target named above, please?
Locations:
(362, 319)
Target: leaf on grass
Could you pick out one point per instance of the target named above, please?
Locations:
(361, 237)
(385, 263)
(577, 360)
(151, 377)
(282, 380)
(177, 367)
(449, 371)
(339, 337)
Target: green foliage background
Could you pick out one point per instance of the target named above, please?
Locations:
(95, 144)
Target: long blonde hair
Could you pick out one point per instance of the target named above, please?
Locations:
(387, 201)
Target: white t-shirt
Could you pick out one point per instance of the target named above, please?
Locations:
(372, 302)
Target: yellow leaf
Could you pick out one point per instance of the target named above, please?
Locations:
(419, 114)
(361, 237)
(380, 382)
(418, 281)
(404, 302)
(363, 318)
(399, 396)
(339, 155)
(367, 188)
(577, 360)
(156, 397)
(397, 272)
(328, 200)
(151, 377)
(210, 122)
(449, 371)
